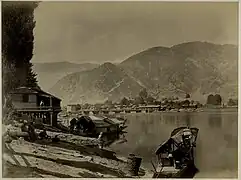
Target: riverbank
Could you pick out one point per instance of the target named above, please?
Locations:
(66, 159)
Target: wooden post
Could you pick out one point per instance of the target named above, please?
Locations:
(51, 102)
(51, 118)
(133, 164)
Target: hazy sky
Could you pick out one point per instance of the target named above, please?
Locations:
(112, 31)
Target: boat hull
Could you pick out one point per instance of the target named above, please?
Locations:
(186, 172)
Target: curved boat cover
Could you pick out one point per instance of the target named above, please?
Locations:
(177, 138)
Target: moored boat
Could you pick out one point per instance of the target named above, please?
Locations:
(176, 155)
(93, 125)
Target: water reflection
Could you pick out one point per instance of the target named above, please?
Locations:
(217, 147)
(215, 120)
(177, 120)
(231, 140)
(188, 119)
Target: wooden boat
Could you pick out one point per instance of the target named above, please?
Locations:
(94, 125)
(176, 155)
(119, 122)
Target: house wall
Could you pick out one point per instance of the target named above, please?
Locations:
(71, 108)
(102, 129)
(68, 108)
(17, 100)
(113, 128)
(56, 102)
(105, 129)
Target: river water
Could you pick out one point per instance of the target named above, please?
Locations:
(217, 142)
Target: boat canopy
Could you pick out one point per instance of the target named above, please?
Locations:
(177, 138)
(165, 146)
(116, 121)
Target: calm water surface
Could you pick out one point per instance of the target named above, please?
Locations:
(217, 142)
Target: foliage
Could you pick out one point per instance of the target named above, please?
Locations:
(232, 102)
(186, 103)
(188, 96)
(210, 99)
(150, 100)
(139, 100)
(124, 101)
(143, 94)
(17, 44)
(218, 99)
(214, 99)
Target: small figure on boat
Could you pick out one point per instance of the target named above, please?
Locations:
(187, 135)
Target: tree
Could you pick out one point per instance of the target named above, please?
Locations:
(31, 77)
(210, 99)
(187, 96)
(214, 100)
(199, 105)
(232, 102)
(17, 44)
(143, 94)
(192, 102)
(139, 100)
(124, 101)
(186, 103)
(150, 100)
(217, 99)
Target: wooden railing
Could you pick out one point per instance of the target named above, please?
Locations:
(43, 108)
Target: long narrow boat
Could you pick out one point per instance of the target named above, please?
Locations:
(176, 155)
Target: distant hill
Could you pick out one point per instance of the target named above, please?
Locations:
(197, 68)
(49, 73)
(105, 81)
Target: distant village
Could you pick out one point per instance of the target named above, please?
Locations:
(147, 104)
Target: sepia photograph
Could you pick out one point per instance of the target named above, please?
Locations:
(119, 89)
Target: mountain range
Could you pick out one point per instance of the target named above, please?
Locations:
(197, 68)
(49, 73)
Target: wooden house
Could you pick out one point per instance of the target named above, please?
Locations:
(150, 108)
(36, 103)
(72, 108)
